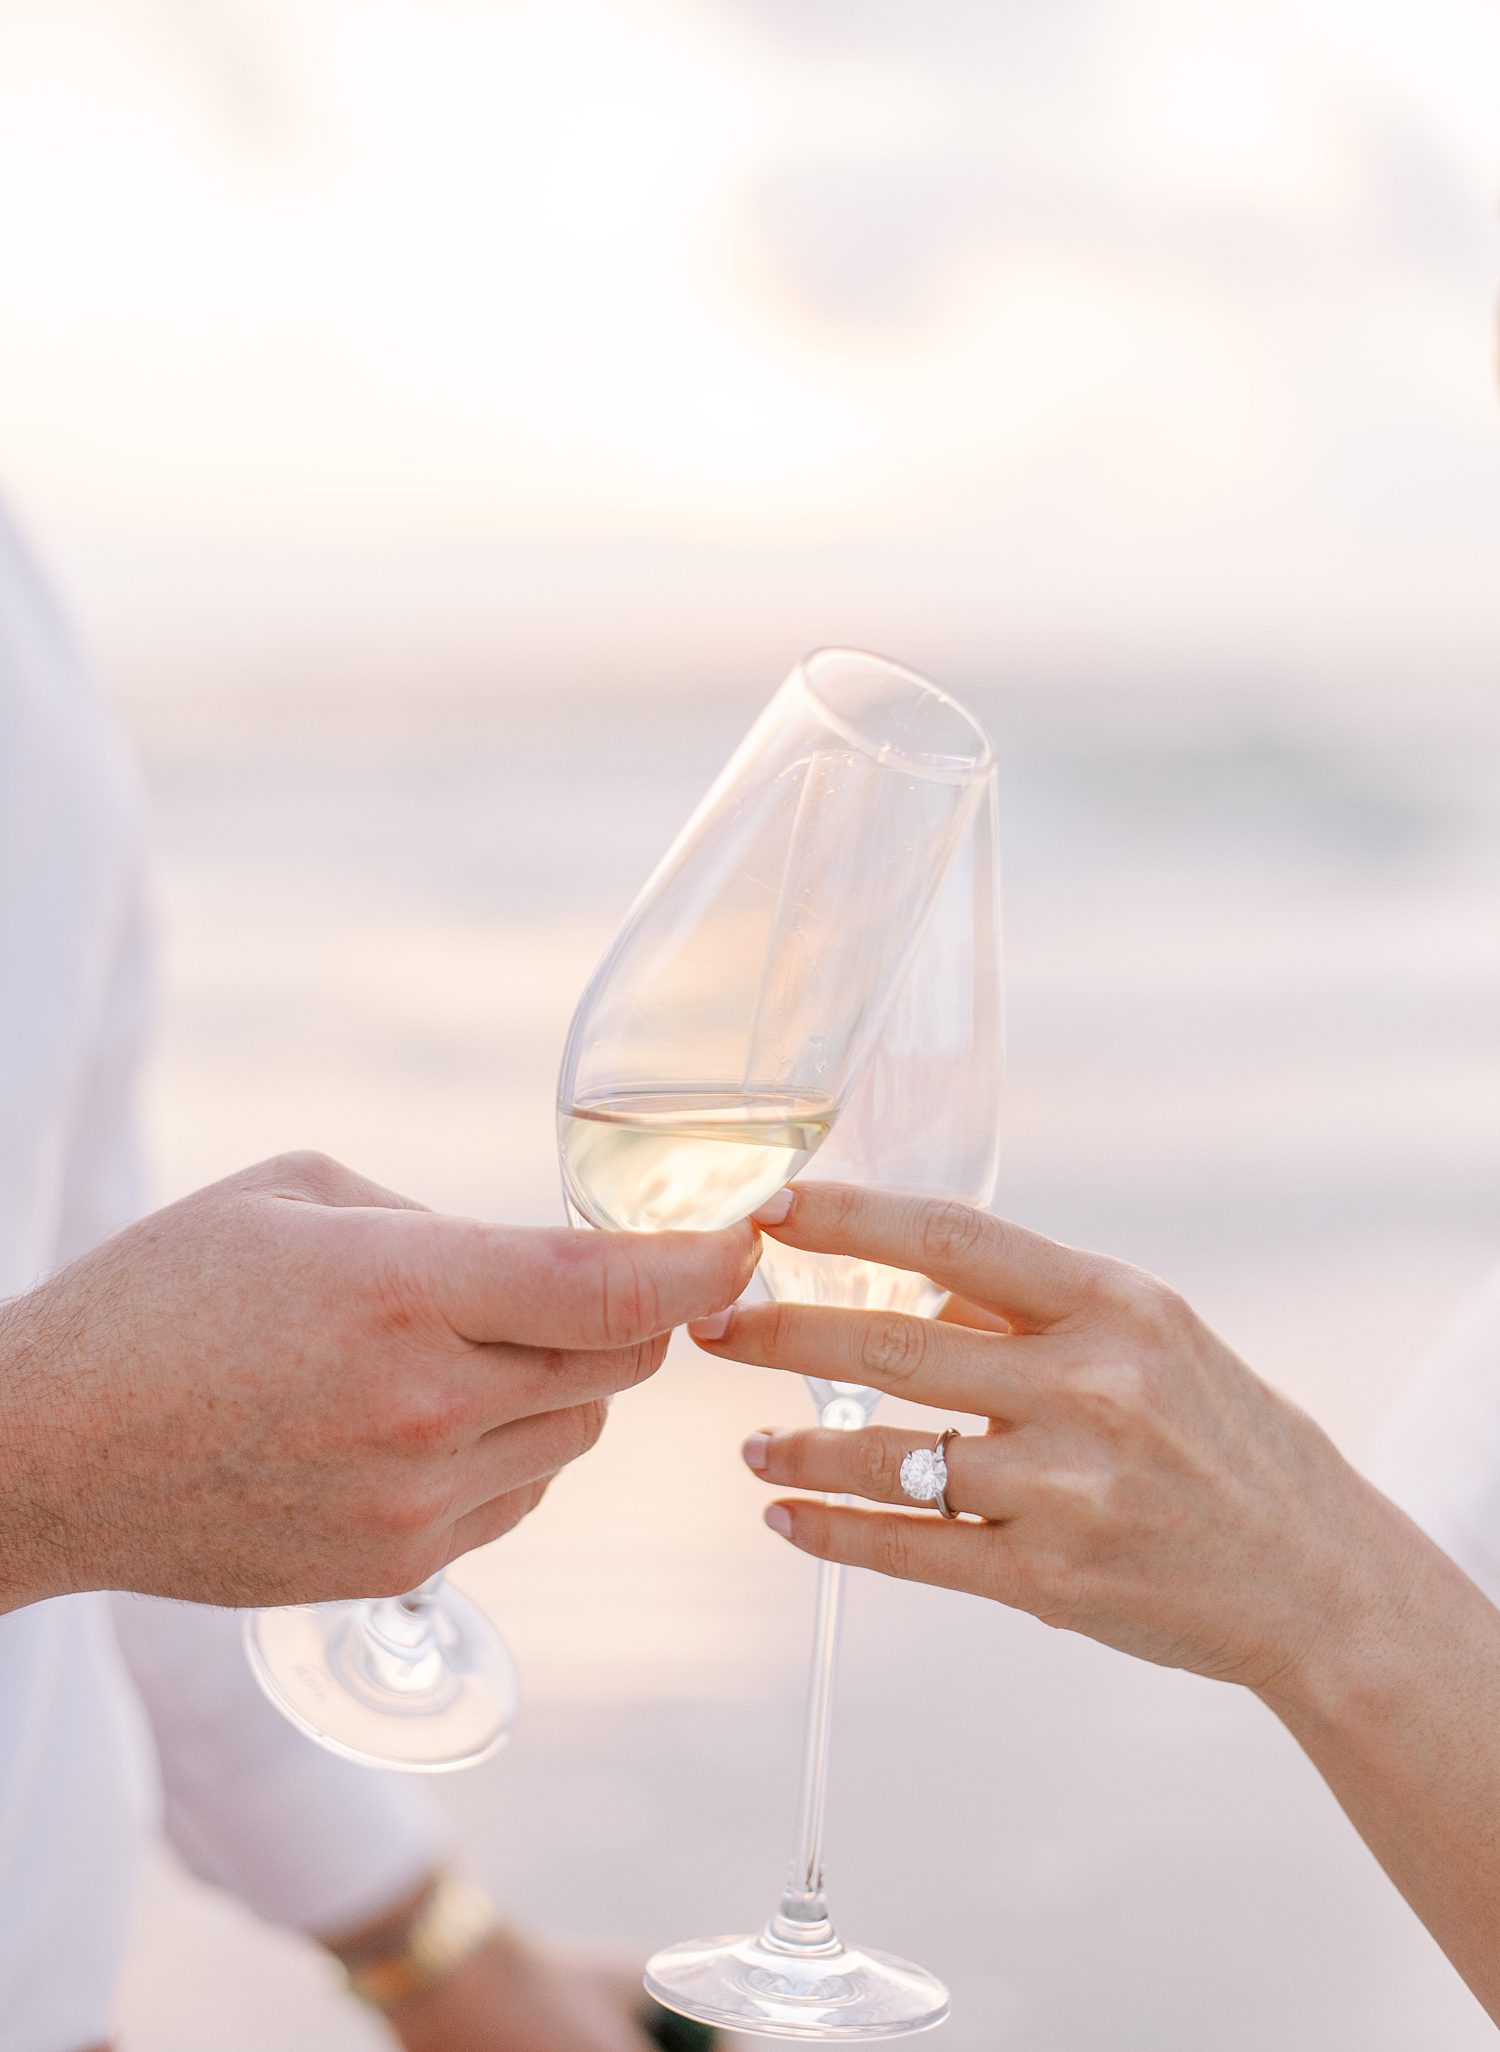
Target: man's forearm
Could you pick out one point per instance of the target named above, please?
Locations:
(34, 1532)
(1401, 1716)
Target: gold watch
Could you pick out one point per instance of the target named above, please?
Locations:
(454, 1922)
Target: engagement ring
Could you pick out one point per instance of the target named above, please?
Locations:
(924, 1474)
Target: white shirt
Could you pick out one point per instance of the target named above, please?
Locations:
(119, 1714)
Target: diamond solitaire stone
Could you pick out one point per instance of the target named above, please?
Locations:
(924, 1474)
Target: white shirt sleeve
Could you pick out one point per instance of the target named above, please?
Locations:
(250, 1803)
(302, 1837)
(1438, 1455)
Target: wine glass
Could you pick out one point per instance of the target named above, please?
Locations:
(723, 1037)
(923, 1118)
(423, 1681)
(716, 1042)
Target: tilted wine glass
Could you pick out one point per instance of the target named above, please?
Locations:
(719, 1042)
(715, 1043)
(924, 1119)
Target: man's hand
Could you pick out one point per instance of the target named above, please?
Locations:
(295, 1386)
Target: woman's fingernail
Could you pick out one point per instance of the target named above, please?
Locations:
(774, 1211)
(756, 1452)
(779, 1518)
(710, 1328)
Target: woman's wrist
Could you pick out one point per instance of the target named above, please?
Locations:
(1388, 1584)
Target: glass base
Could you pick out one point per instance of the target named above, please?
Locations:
(422, 1682)
(778, 1985)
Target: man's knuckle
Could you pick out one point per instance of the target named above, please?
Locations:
(427, 1418)
(404, 1513)
(570, 1434)
(389, 1294)
(507, 1511)
(553, 1365)
(589, 1421)
(619, 1367)
(640, 1362)
(406, 1564)
(629, 1298)
(308, 1171)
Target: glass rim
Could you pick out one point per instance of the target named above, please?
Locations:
(940, 767)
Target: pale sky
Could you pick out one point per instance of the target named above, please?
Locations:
(1105, 333)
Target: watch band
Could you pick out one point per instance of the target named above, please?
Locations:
(457, 1918)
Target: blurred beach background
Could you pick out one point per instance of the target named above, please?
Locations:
(448, 422)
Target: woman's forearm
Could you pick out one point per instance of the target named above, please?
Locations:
(1400, 1713)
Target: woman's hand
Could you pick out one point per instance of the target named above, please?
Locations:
(1133, 1479)
(1136, 1482)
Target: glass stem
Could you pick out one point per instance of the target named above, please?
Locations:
(802, 1921)
(401, 1623)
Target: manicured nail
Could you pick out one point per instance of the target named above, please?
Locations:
(756, 1451)
(774, 1211)
(779, 1518)
(710, 1328)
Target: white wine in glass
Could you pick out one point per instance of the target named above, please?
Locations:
(650, 1160)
